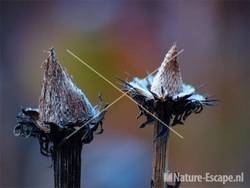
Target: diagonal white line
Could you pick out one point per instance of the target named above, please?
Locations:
(111, 104)
(123, 94)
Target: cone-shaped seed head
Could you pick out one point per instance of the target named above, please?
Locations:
(61, 102)
(167, 80)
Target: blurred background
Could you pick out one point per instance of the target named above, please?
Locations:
(121, 38)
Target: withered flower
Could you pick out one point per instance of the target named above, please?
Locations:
(165, 101)
(63, 108)
(165, 95)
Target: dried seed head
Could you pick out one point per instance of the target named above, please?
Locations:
(168, 80)
(61, 102)
(63, 112)
(177, 100)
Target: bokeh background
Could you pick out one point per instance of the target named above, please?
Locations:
(122, 38)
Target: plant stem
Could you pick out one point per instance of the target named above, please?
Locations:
(67, 165)
(159, 158)
(159, 166)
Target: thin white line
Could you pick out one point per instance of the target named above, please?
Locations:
(124, 94)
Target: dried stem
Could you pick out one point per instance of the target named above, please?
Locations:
(67, 165)
(159, 160)
(159, 156)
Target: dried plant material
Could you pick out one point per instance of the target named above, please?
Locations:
(167, 80)
(165, 91)
(169, 99)
(62, 108)
(61, 102)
